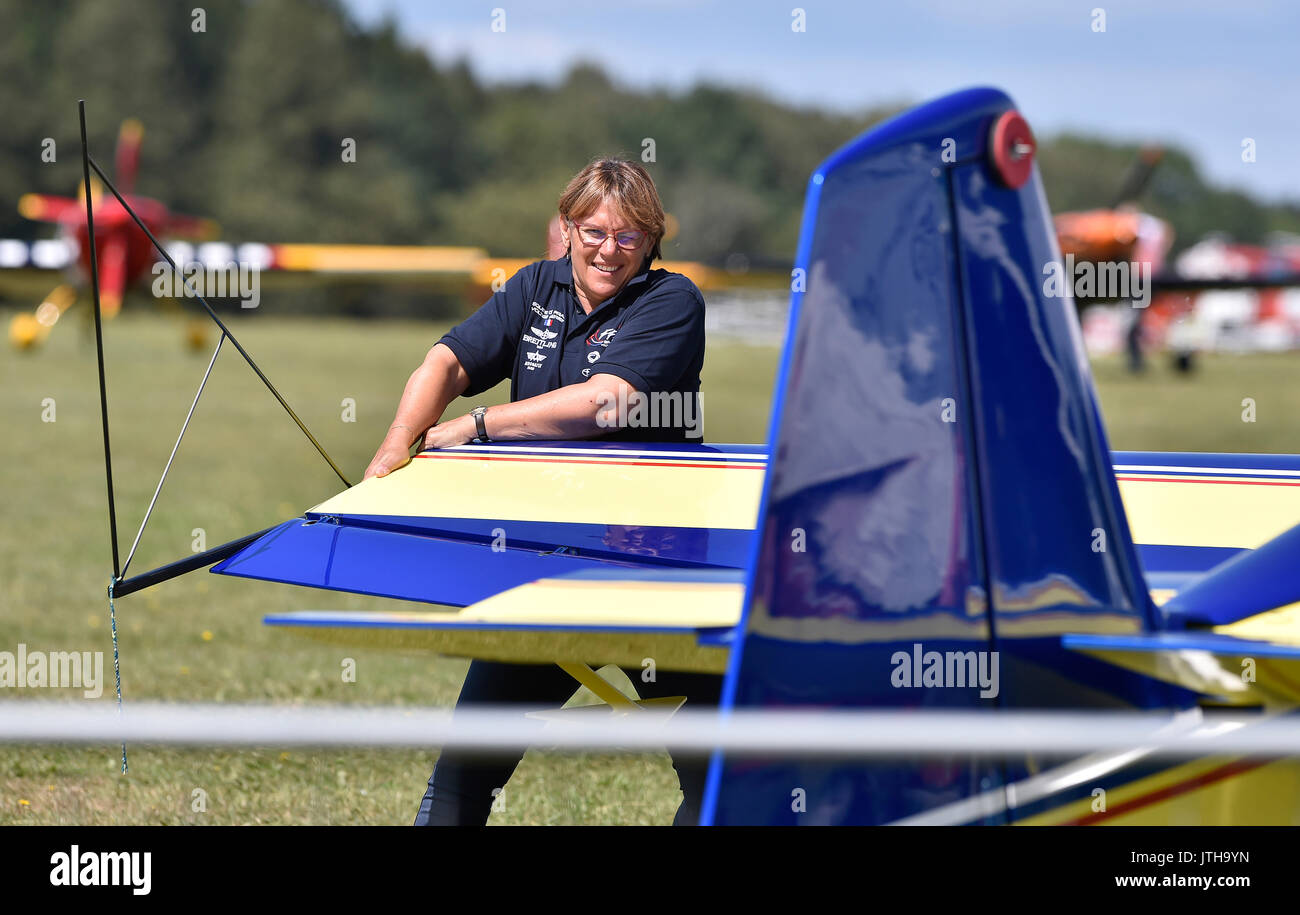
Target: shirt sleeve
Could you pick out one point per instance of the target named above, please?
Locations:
(486, 342)
(661, 341)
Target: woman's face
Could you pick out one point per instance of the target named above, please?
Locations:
(601, 271)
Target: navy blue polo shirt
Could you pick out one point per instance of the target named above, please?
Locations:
(534, 332)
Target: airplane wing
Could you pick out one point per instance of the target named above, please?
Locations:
(618, 551)
(1193, 514)
(1208, 663)
(367, 259)
(556, 551)
(683, 618)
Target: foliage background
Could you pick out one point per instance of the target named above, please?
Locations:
(244, 123)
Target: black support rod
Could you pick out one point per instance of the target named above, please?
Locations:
(1165, 283)
(99, 334)
(213, 315)
(181, 566)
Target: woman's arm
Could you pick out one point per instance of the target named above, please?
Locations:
(572, 412)
(438, 381)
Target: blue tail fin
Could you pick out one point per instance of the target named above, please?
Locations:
(940, 487)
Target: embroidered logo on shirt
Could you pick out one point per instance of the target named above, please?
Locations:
(543, 333)
(601, 337)
(540, 343)
(548, 314)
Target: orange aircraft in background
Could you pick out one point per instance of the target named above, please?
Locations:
(1122, 233)
(1119, 232)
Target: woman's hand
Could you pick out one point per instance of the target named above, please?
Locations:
(436, 383)
(394, 452)
(458, 431)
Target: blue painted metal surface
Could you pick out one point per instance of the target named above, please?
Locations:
(960, 475)
(1151, 642)
(1192, 561)
(1060, 554)
(869, 542)
(1249, 583)
(651, 544)
(1047, 481)
(402, 565)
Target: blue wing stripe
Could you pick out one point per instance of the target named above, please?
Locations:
(1212, 642)
(404, 566)
(640, 543)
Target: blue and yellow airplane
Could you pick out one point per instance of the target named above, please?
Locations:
(938, 480)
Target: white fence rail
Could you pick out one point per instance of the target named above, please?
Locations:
(805, 734)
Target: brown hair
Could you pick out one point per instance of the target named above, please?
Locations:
(624, 185)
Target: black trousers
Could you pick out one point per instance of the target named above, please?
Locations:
(460, 789)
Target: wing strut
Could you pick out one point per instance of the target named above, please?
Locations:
(121, 586)
(99, 334)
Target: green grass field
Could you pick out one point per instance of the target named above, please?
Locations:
(244, 466)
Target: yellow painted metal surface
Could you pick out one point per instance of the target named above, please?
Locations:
(631, 489)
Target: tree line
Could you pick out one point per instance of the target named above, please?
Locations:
(247, 121)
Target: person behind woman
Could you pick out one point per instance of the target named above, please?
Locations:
(575, 335)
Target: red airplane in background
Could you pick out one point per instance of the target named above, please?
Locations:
(124, 252)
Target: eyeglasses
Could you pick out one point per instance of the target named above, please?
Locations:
(594, 236)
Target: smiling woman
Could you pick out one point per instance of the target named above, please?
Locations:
(610, 197)
(576, 335)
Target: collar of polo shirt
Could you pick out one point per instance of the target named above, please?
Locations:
(564, 276)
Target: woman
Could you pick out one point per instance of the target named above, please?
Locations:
(578, 337)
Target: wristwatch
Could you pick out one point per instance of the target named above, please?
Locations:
(478, 413)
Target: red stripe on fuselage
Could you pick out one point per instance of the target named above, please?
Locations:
(1163, 794)
(1195, 480)
(546, 460)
